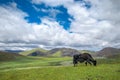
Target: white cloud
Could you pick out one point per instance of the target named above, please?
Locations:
(99, 25)
(13, 27)
(108, 10)
(95, 28)
(52, 12)
(18, 33)
(52, 2)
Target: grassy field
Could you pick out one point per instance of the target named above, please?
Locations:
(61, 68)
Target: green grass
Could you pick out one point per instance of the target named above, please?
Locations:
(101, 72)
(57, 54)
(33, 62)
(61, 68)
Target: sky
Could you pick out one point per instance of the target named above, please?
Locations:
(78, 24)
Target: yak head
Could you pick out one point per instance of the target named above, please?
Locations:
(94, 62)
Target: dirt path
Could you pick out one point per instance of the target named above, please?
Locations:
(24, 68)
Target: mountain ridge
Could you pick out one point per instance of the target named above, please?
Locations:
(62, 52)
(108, 52)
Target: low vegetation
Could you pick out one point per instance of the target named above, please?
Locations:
(56, 67)
(60, 68)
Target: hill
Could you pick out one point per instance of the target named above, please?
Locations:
(87, 51)
(62, 52)
(93, 53)
(109, 52)
(7, 56)
(56, 52)
(34, 52)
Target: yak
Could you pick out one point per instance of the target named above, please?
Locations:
(85, 57)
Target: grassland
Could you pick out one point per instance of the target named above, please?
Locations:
(60, 68)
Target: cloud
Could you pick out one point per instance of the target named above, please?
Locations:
(52, 12)
(108, 7)
(98, 25)
(16, 32)
(92, 28)
(107, 10)
(13, 27)
(52, 2)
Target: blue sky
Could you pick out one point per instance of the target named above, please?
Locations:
(34, 15)
(79, 24)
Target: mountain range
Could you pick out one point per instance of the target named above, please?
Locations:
(60, 52)
(107, 52)
(56, 52)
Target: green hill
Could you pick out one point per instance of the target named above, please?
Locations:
(56, 52)
(29, 52)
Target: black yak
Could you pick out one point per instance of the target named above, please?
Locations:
(85, 57)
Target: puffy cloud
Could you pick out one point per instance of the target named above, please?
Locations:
(13, 27)
(52, 12)
(110, 9)
(98, 25)
(16, 32)
(107, 10)
(53, 2)
(92, 28)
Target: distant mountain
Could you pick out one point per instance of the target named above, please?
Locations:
(14, 51)
(62, 52)
(34, 52)
(37, 53)
(56, 52)
(87, 51)
(7, 56)
(93, 53)
(108, 52)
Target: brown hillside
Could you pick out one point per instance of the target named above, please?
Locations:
(108, 52)
(64, 51)
(7, 56)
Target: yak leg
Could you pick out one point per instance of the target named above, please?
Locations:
(75, 62)
(86, 63)
(74, 65)
(89, 62)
